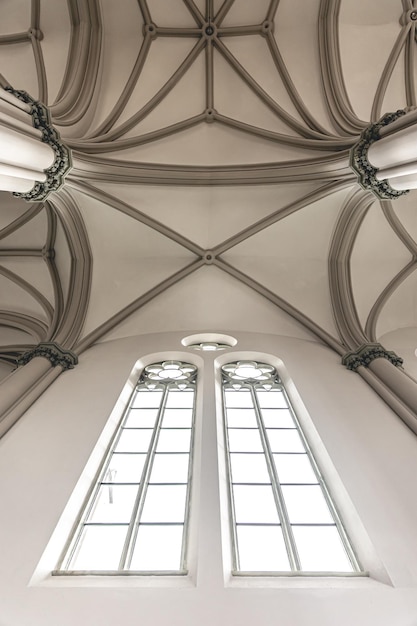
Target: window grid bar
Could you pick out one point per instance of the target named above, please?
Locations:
(276, 489)
(132, 532)
(332, 508)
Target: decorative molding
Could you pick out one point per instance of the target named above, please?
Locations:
(53, 352)
(62, 163)
(367, 353)
(360, 164)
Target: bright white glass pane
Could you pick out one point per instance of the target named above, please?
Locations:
(321, 549)
(177, 418)
(114, 503)
(180, 399)
(285, 440)
(125, 468)
(262, 548)
(147, 399)
(243, 418)
(164, 504)
(141, 418)
(306, 505)
(171, 440)
(294, 468)
(170, 468)
(273, 399)
(277, 418)
(134, 440)
(249, 468)
(238, 399)
(244, 440)
(254, 504)
(157, 548)
(99, 548)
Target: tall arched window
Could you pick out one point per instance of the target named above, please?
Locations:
(283, 519)
(136, 516)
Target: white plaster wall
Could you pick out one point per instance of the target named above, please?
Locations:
(373, 454)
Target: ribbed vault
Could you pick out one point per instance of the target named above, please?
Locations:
(210, 148)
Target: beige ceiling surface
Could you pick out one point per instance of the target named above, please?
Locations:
(210, 187)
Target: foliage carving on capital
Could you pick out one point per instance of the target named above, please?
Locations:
(367, 353)
(361, 166)
(53, 352)
(62, 162)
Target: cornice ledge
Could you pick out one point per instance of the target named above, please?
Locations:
(367, 353)
(62, 162)
(360, 164)
(53, 352)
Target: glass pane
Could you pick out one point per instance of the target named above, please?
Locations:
(249, 468)
(306, 505)
(255, 504)
(170, 468)
(285, 441)
(177, 418)
(238, 399)
(134, 440)
(243, 418)
(277, 418)
(171, 440)
(273, 399)
(125, 468)
(114, 503)
(99, 548)
(244, 440)
(141, 418)
(180, 399)
(164, 504)
(294, 468)
(157, 548)
(147, 399)
(262, 549)
(321, 549)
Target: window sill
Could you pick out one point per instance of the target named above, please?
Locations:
(115, 580)
(298, 580)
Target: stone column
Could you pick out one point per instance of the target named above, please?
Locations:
(37, 369)
(385, 157)
(33, 160)
(382, 370)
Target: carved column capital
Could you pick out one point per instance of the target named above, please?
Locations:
(62, 161)
(53, 352)
(361, 166)
(367, 353)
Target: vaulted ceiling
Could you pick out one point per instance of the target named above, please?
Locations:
(210, 187)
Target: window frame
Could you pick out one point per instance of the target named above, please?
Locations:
(300, 416)
(73, 537)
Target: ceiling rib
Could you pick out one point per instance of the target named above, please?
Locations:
(134, 306)
(30, 290)
(336, 97)
(285, 211)
(343, 303)
(76, 306)
(80, 82)
(127, 209)
(295, 313)
(32, 212)
(371, 322)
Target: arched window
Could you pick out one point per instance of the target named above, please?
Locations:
(136, 516)
(283, 519)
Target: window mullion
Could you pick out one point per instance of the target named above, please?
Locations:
(235, 552)
(277, 491)
(126, 557)
(184, 545)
